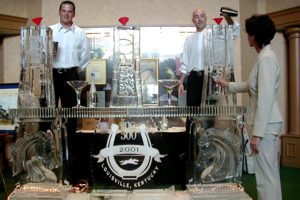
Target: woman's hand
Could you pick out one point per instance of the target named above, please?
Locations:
(254, 144)
(223, 83)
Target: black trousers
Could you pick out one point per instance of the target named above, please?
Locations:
(194, 95)
(67, 96)
(194, 88)
(62, 89)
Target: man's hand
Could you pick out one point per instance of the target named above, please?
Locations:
(228, 19)
(181, 88)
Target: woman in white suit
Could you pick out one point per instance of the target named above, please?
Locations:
(263, 113)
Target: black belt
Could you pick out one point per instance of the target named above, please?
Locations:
(64, 70)
(198, 73)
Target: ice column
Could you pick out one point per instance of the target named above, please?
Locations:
(36, 81)
(218, 65)
(126, 81)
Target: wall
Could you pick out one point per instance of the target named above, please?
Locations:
(11, 44)
(13, 7)
(140, 12)
(248, 54)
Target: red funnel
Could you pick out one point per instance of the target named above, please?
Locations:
(218, 20)
(37, 20)
(123, 20)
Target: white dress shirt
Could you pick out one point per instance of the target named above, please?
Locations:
(193, 55)
(73, 47)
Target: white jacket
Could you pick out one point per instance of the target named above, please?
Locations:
(262, 86)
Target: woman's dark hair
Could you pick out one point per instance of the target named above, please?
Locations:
(67, 2)
(262, 28)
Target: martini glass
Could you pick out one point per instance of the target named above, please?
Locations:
(78, 86)
(169, 85)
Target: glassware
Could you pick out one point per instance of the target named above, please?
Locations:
(169, 85)
(92, 97)
(78, 86)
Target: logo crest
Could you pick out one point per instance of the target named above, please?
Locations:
(128, 157)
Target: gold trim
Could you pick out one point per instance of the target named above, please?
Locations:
(10, 25)
(293, 32)
(286, 18)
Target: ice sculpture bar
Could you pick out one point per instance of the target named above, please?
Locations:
(215, 141)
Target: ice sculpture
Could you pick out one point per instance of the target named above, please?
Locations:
(219, 156)
(36, 155)
(215, 141)
(36, 82)
(126, 82)
(218, 65)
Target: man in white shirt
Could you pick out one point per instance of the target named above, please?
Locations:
(72, 56)
(193, 58)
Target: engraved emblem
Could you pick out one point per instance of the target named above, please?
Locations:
(129, 157)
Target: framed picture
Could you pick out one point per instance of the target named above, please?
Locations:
(98, 67)
(8, 100)
(149, 77)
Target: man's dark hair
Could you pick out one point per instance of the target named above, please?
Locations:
(67, 2)
(262, 28)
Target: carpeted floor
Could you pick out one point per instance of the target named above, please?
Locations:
(290, 181)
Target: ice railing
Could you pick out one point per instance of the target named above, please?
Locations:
(113, 112)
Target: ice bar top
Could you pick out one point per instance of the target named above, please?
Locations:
(165, 111)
